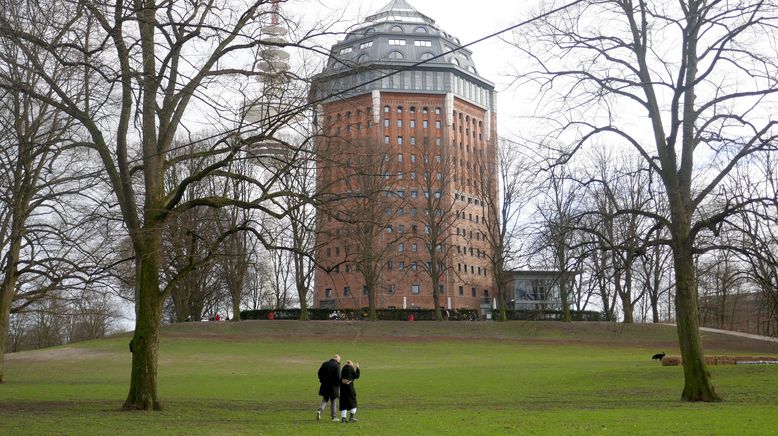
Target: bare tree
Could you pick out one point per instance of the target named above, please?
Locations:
(143, 67)
(432, 172)
(300, 177)
(654, 276)
(505, 194)
(38, 169)
(617, 72)
(560, 212)
(366, 174)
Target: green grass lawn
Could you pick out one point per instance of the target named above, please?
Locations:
(259, 377)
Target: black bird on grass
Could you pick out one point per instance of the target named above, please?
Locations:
(658, 356)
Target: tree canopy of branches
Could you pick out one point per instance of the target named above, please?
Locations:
(690, 87)
(148, 74)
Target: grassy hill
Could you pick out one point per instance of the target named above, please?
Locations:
(259, 377)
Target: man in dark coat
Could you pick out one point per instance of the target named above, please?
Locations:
(329, 377)
(348, 394)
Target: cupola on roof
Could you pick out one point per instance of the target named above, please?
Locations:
(399, 37)
(401, 11)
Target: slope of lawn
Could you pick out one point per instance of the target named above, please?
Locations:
(259, 377)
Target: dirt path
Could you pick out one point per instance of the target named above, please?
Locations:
(738, 334)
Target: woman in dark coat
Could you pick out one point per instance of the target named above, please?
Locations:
(348, 394)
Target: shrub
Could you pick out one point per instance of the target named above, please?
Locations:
(536, 315)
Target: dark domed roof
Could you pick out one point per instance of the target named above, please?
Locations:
(398, 33)
(400, 49)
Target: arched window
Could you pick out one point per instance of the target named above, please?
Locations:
(369, 30)
(363, 58)
(472, 69)
(427, 55)
(421, 29)
(396, 55)
(455, 61)
(397, 29)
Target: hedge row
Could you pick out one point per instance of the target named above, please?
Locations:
(418, 314)
(555, 315)
(358, 314)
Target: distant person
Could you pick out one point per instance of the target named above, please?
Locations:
(218, 318)
(329, 377)
(348, 394)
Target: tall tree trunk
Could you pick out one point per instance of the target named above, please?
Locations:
(370, 281)
(8, 289)
(6, 297)
(145, 342)
(436, 297)
(300, 271)
(235, 308)
(654, 309)
(697, 385)
(563, 294)
(303, 295)
(502, 286)
(626, 296)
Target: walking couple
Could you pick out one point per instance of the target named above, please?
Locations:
(337, 382)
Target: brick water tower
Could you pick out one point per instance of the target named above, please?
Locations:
(407, 139)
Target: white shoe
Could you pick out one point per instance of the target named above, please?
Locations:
(318, 414)
(336, 419)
